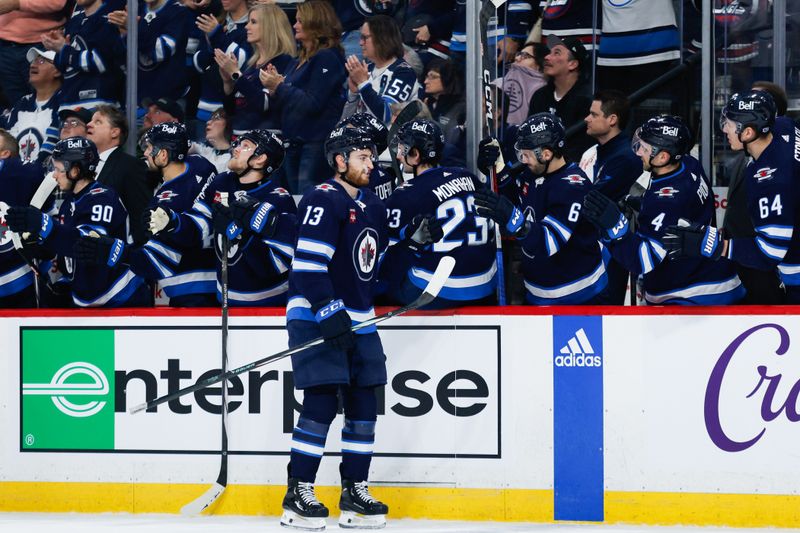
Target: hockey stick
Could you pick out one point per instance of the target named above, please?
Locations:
(211, 495)
(485, 15)
(439, 277)
(407, 114)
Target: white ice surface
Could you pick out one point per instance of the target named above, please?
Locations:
(126, 523)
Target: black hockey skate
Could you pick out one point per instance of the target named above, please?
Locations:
(359, 509)
(302, 509)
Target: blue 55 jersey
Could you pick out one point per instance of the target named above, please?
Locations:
(468, 238)
(99, 209)
(182, 272)
(772, 201)
(258, 268)
(562, 262)
(340, 243)
(683, 194)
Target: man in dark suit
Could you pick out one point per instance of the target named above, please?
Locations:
(121, 171)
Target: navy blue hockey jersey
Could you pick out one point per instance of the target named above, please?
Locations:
(468, 238)
(231, 39)
(562, 262)
(94, 208)
(682, 194)
(180, 271)
(92, 61)
(340, 243)
(35, 126)
(18, 182)
(162, 50)
(258, 268)
(772, 202)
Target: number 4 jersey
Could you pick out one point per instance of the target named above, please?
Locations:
(468, 238)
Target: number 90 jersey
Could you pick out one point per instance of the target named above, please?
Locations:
(340, 243)
(468, 238)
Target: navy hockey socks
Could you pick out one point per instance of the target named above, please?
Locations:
(311, 431)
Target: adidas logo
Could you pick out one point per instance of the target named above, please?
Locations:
(578, 352)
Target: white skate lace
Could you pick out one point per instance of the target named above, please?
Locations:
(363, 492)
(306, 493)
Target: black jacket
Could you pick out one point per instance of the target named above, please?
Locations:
(126, 175)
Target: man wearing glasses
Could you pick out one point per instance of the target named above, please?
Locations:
(33, 120)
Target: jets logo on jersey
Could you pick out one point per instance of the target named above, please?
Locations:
(365, 253)
(97, 190)
(29, 140)
(280, 191)
(574, 179)
(325, 187)
(166, 196)
(765, 173)
(667, 192)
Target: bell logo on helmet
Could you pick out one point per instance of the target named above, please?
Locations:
(170, 128)
(746, 106)
(76, 143)
(536, 128)
(420, 126)
(672, 131)
(337, 133)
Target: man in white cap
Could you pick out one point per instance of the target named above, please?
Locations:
(33, 119)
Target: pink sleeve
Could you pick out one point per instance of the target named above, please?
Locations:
(42, 6)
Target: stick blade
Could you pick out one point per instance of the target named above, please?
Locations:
(443, 271)
(195, 507)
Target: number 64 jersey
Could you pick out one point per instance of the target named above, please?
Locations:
(468, 238)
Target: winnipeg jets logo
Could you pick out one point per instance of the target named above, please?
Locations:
(574, 179)
(325, 187)
(667, 192)
(765, 173)
(365, 253)
(165, 196)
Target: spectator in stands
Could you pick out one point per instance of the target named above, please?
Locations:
(504, 39)
(311, 95)
(231, 39)
(270, 36)
(163, 30)
(217, 145)
(640, 42)
(427, 27)
(33, 120)
(612, 166)
(122, 172)
(89, 54)
(18, 182)
(74, 122)
(573, 19)
(524, 77)
(444, 96)
(388, 79)
(22, 22)
(162, 110)
(567, 94)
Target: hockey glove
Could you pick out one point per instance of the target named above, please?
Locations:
(421, 232)
(23, 218)
(500, 209)
(259, 217)
(335, 324)
(100, 250)
(223, 222)
(601, 211)
(490, 156)
(693, 240)
(160, 219)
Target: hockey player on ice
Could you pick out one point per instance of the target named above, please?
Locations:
(341, 241)
(187, 275)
